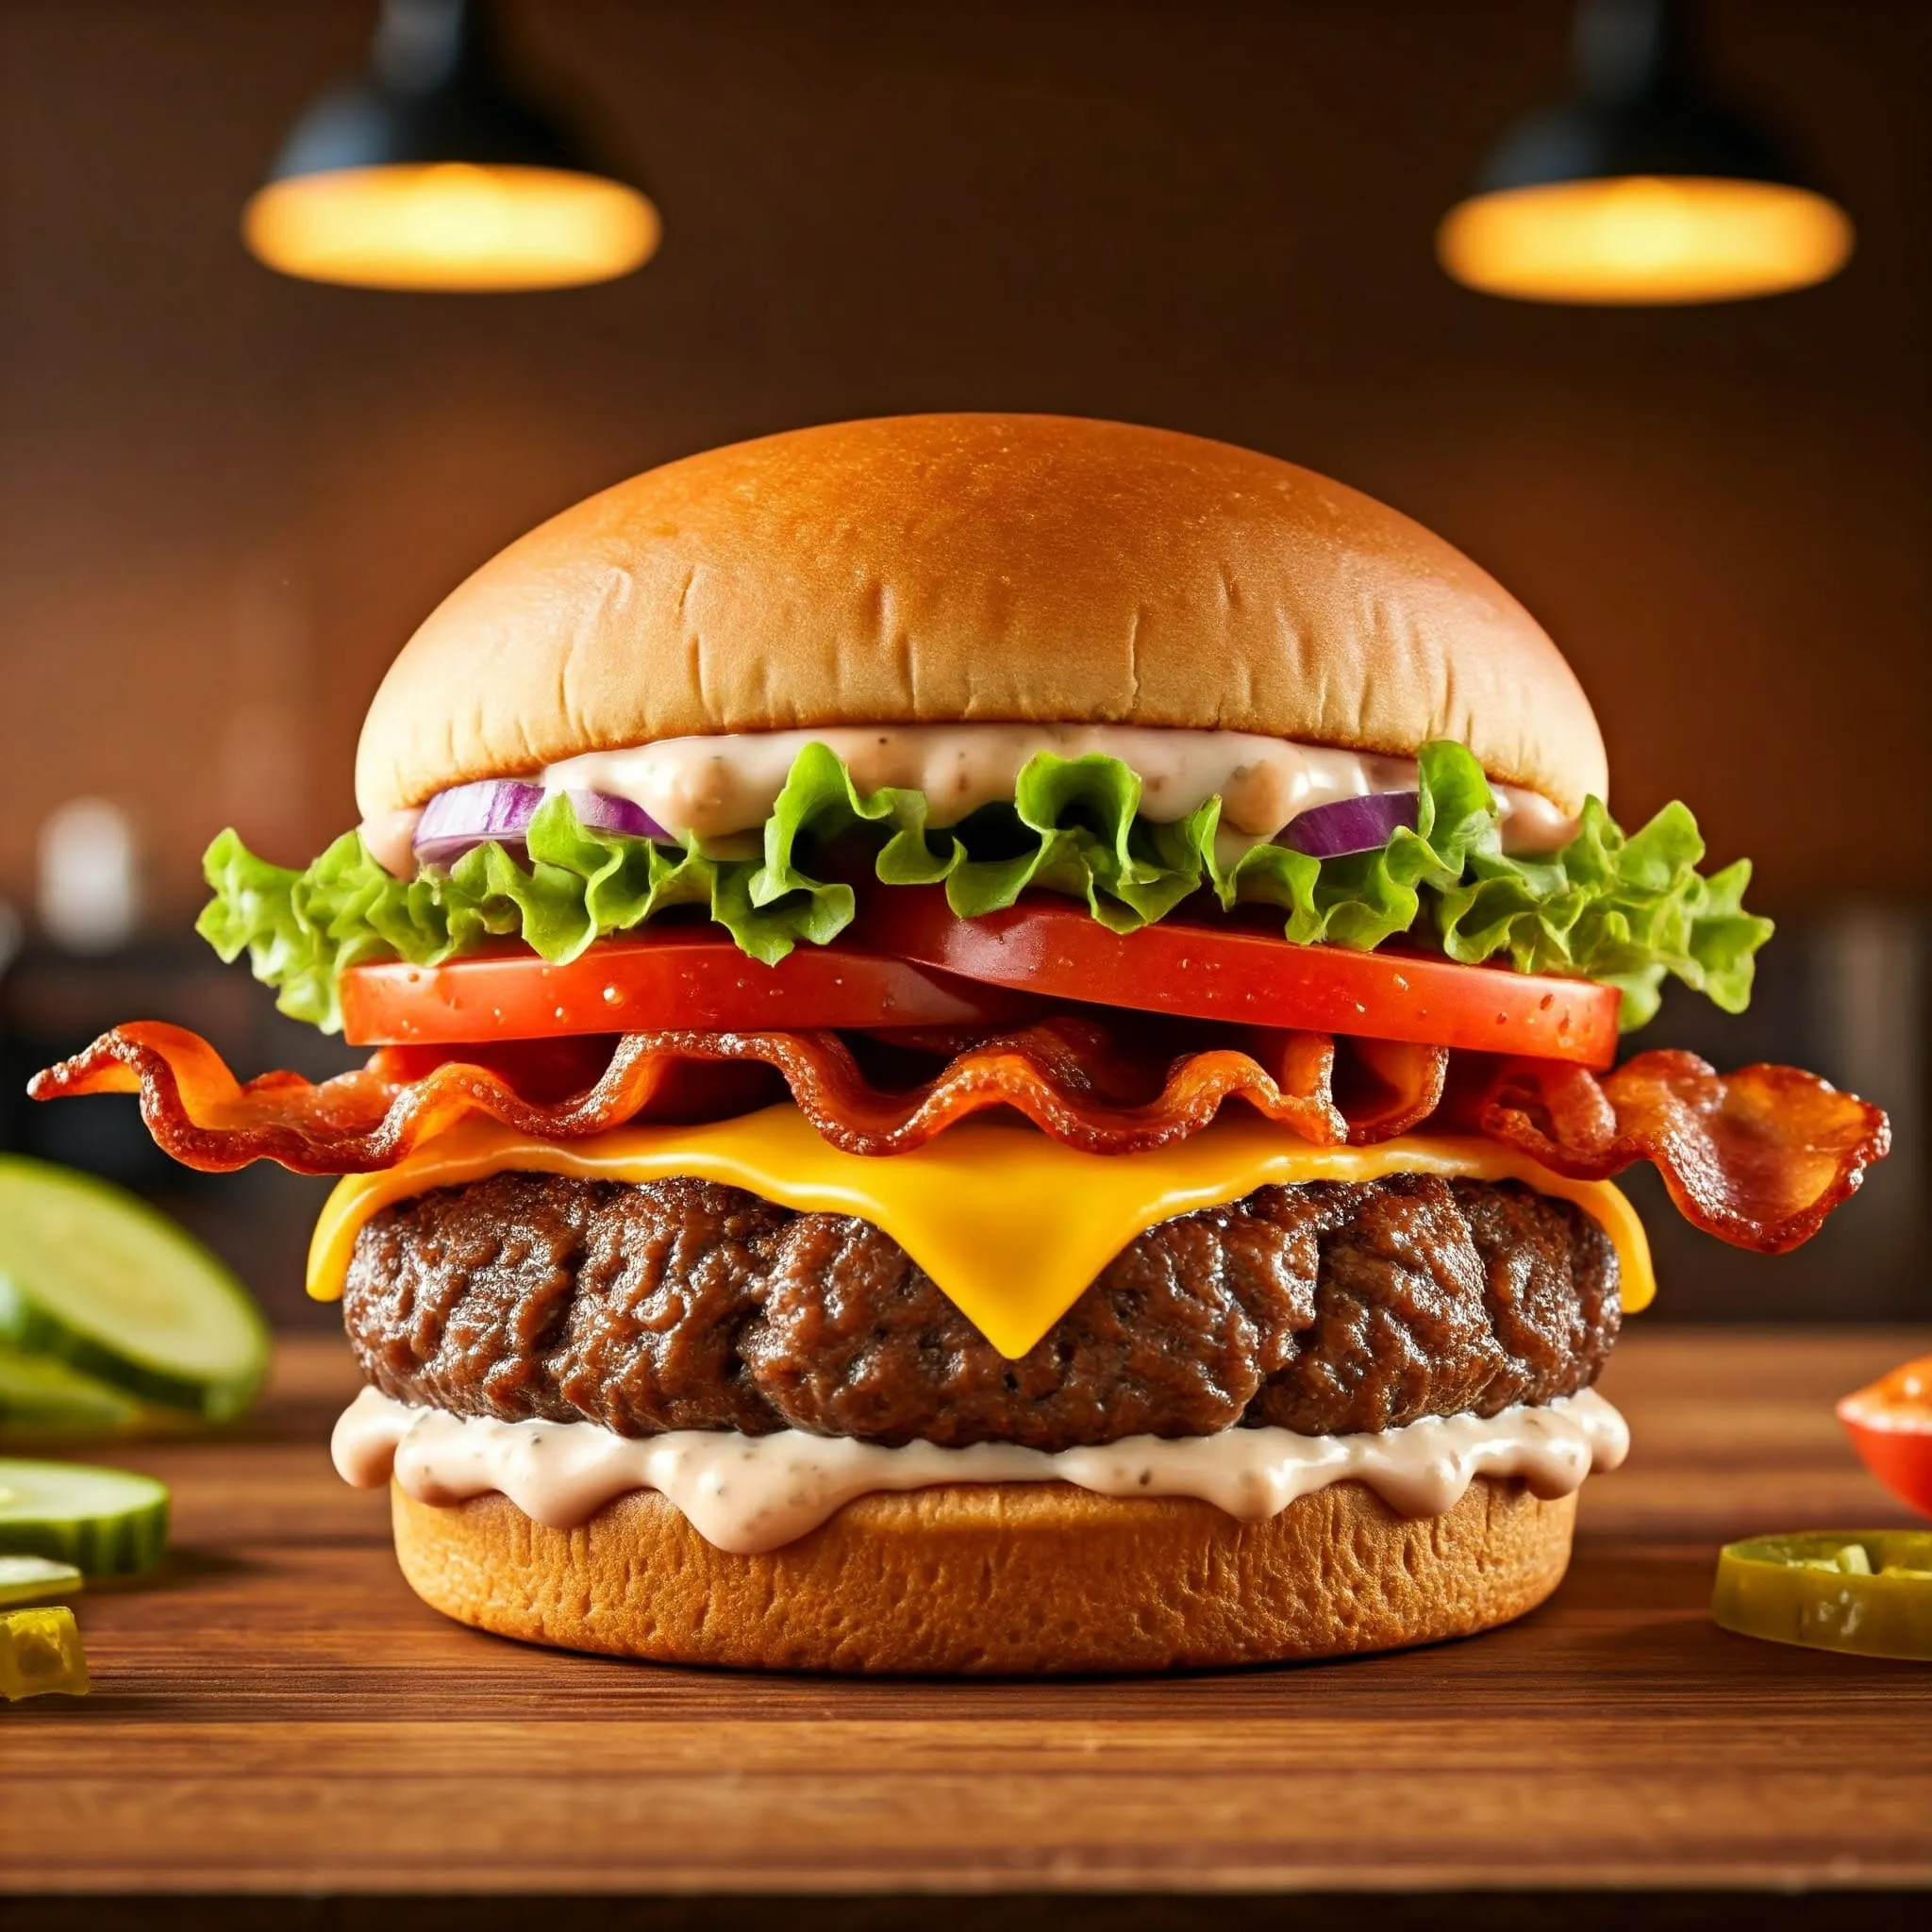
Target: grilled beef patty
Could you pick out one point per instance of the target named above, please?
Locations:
(1324, 1307)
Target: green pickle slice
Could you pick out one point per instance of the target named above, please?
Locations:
(34, 1579)
(1867, 1592)
(95, 1277)
(104, 1521)
(41, 1654)
(40, 1396)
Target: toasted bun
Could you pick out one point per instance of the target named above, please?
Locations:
(1003, 1580)
(935, 568)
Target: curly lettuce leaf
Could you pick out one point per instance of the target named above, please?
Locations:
(301, 930)
(1631, 910)
(1628, 910)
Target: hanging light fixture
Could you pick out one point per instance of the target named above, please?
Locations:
(1641, 188)
(431, 173)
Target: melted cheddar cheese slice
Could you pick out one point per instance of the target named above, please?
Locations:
(1009, 1223)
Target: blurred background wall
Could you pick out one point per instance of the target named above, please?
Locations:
(226, 498)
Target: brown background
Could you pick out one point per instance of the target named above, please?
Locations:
(225, 498)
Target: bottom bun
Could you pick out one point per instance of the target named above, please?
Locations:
(1013, 1578)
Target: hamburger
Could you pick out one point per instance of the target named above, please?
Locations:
(996, 1048)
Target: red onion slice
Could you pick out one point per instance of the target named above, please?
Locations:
(598, 811)
(1351, 824)
(456, 821)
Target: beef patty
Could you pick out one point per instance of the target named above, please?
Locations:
(1329, 1306)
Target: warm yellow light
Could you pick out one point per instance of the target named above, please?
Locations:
(451, 225)
(1644, 239)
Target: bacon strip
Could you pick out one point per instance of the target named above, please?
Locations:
(354, 1124)
(1759, 1157)
(1070, 1076)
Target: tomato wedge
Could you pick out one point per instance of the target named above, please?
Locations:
(1890, 1423)
(1247, 977)
(679, 978)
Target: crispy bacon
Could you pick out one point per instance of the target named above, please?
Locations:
(356, 1122)
(1070, 1075)
(1759, 1157)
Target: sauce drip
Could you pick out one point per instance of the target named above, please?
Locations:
(752, 1493)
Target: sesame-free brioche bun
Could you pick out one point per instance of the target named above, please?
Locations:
(939, 569)
(1000, 1580)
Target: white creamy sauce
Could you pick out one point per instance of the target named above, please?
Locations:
(721, 787)
(749, 1493)
(718, 786)
(391, 838)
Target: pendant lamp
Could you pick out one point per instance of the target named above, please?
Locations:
(1643, 186)
(432, 172)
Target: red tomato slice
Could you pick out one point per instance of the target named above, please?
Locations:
(1890, 1425)
(1247, 977)
(683, 977)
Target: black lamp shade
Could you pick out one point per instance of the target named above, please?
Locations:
(1643, 186)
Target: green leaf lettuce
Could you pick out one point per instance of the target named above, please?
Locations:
(1631, 910)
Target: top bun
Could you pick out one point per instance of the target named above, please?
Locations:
(934, 569)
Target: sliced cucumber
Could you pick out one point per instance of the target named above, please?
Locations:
(98, 1279)
(34, 1579)
(39, 1652)
(105, 1522)
(41, 1396)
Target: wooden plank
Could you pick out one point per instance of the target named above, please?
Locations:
(278, 1712)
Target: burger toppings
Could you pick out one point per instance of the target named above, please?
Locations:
(1329, 1308)
(1082, 1083)
(1353, 824)
(910, 962)
(1625, 911)
(1062, 1215)
(750, 1493)
(1758, 1157)
(714, 787)
(679, 977)
(1226, 969)
(500, 809)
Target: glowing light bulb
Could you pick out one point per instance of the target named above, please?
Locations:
(1644, 239)
(451, 224)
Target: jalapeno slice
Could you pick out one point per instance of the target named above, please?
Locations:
(1865, 1591)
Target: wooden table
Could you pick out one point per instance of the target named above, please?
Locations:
(277, 1713)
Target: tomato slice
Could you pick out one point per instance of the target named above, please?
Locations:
(679, 978)
(909, 960)
(1247, 977)
(1890, 1423)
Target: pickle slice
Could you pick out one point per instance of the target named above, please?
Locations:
(1867, 1592)
(33, 1579)
(96, 1277)
(41, 1654)
(41, 1396)
(104, 1521)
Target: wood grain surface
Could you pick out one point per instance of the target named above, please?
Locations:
(276, 1712)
